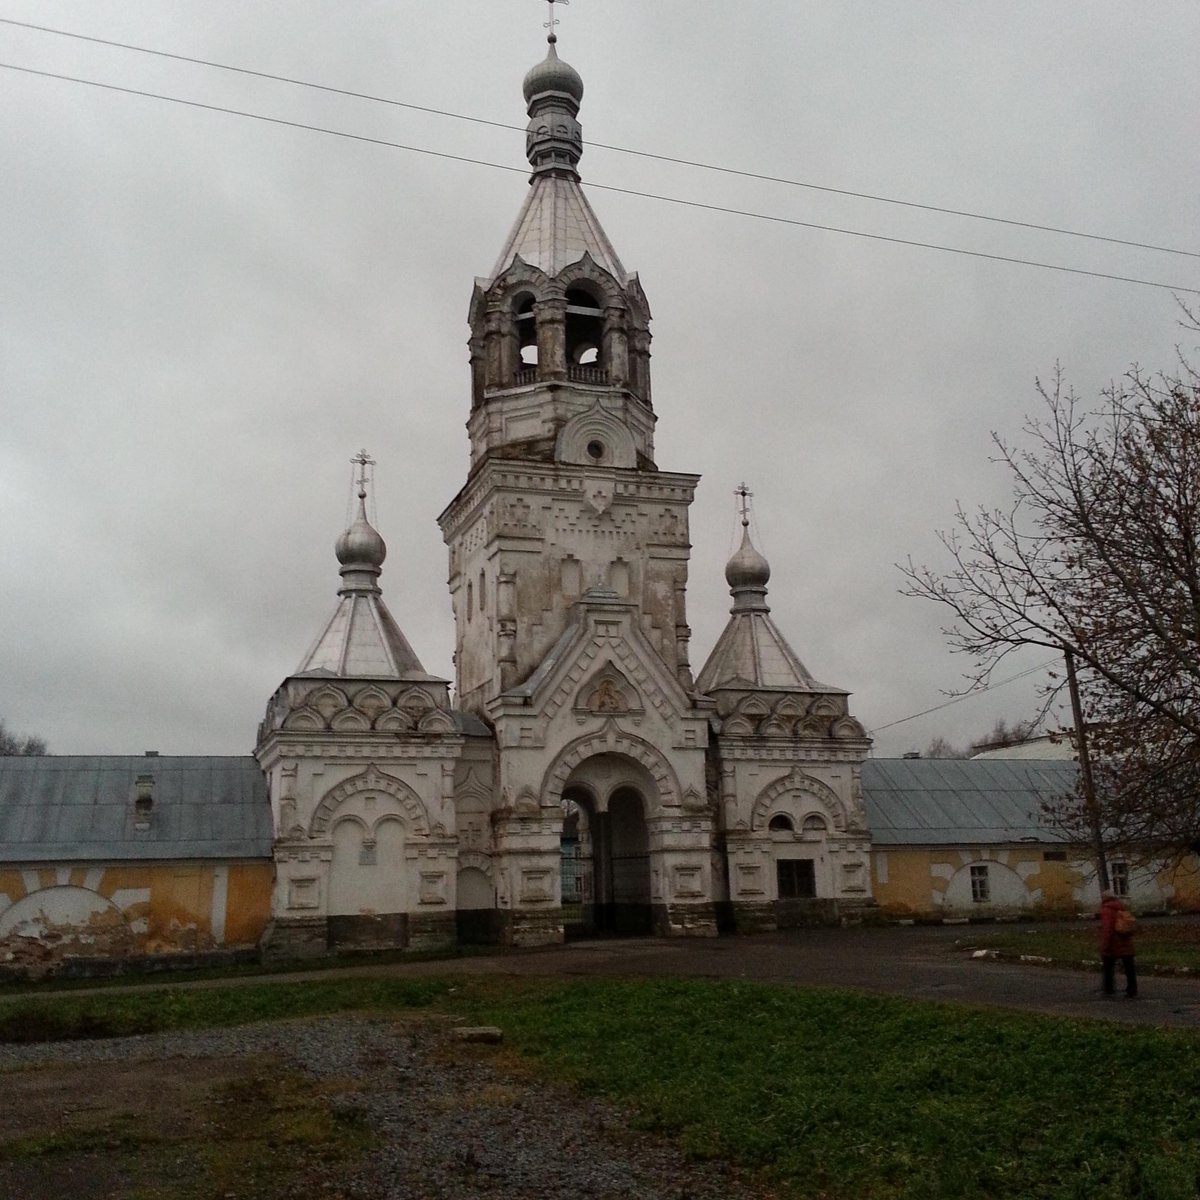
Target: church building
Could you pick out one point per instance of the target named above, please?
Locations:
(581, 777)
(698, 801)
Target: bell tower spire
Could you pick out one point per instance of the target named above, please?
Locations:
(559, 319)
(564, 498)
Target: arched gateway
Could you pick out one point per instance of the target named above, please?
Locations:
(606, 847)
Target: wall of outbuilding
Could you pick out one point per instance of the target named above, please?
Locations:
(934, 881)
(54, 912)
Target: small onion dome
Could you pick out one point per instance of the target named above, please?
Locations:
(360, 545)
(747, 568)
(553, 75)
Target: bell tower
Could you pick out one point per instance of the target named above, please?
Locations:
(563, 493)
(568, 572)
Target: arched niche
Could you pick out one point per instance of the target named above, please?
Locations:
(798, 796)
(596, 438)
(985, 885)
(475, 889)
(65, 909)
(661, 787)
(368, 872)
(389, 797)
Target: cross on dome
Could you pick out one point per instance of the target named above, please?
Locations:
(363, 461)
(744, 495)
(551, 37)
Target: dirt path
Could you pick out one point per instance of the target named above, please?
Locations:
(918, 962)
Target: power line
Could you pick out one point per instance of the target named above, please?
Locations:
(667, 158)
(738, 212)
(967, 696)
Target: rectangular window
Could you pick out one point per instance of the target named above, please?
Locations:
(981, 892)
(1054, 856)
(797, 878)
(1118, 872)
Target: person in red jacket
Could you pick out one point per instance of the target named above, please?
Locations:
(1116, 943)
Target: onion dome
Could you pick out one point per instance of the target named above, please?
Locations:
(360, 549)
(752, 654)
(553, 75)
(361, 639)
(747, 571)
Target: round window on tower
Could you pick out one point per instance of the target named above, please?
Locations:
(595, 450)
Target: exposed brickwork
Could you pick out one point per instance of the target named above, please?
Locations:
(531, 928)
(685, 920)
(754, 918)
(427, 932)
(295, 937)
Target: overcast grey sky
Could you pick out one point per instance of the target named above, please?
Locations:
(205, 316)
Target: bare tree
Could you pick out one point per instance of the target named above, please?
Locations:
(11, 745)
(1097, 556)
(941, 748)
(1003, 734)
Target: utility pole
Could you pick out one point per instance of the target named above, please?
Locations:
(1085, 773)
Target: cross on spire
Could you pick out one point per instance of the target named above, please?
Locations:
(744, 494)
(363, 460)
(551, 37)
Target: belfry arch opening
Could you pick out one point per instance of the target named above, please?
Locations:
(585, 331)
(606, 849)
(526, 327)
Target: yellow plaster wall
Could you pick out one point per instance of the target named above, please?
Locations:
(1181, 881)
(916, 879)
(248, 902)
(907, 890)
(917, 876)
(139, 908)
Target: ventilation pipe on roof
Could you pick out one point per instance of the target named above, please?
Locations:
(143, 801)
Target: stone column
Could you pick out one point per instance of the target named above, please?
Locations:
(497, 371)
(681, 875)
(477, 345)
(615, 353)
(551, 319)
(528, 862)
(639, 345)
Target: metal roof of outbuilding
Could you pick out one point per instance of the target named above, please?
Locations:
(936, 801)
(73, 807)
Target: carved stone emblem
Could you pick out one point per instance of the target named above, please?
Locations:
(599, 495)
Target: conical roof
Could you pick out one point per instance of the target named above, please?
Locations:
(556, 226)
(752, 653)
(361, 639)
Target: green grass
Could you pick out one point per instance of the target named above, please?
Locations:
(830, 1095)
(845, 1095)
(1158, 943)
(120, 1014)
(258, 1137)
(163, 975)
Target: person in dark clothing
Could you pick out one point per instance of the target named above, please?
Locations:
(1116, 943)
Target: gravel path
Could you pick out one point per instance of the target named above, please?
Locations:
(450, 1125)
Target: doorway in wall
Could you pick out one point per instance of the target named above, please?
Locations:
(605, 862)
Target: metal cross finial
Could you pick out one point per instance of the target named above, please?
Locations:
(364, 460)
(550, 24)
(744, 494)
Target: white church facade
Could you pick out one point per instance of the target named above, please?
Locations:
(699, 801)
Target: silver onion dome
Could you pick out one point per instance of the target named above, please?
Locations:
(553, 75)
(361, 548)
(747, 569)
